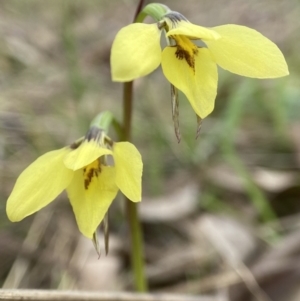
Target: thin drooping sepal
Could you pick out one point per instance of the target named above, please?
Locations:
(95, 239)
(175, 111)
(105, 225)
(199, 125)
(96, 243)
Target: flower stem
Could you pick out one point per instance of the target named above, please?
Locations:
(137, 253)
(127, 110)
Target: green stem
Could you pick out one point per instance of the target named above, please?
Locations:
(127, 110)
(137, 252)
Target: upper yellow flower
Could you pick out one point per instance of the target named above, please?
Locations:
(136, 52)
(83, 171)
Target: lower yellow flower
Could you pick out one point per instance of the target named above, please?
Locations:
(82, 170)
(136, 52)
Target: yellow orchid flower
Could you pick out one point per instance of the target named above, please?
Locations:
(136, 52)
(82, 170)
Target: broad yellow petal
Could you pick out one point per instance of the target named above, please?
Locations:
(91, 204)
(246, 52)
(191, 31)
(135, 52)
(85, 154)
(199, 84)
(38, 185)
(129, 169)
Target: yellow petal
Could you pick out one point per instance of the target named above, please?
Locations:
(38, 185)
(135, 52)
(246, 52)
(192, 31)
(85, 154)
(199, 84)
(91, 204)
(129, 169)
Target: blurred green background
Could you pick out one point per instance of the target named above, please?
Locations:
(210, 205)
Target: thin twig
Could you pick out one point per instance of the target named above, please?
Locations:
(48, 295)
(138, 9)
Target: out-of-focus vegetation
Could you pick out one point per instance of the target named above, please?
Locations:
(216, 211)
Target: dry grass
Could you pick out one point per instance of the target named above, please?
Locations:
(240, 179)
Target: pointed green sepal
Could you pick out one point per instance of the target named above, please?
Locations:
(154, 10)
(103, 121)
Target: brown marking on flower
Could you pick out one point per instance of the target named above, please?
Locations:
(175, 17)
(90, 171)
(76, 144)
(189, 56)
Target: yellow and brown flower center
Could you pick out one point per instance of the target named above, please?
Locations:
(185, 50)
(90, 171)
